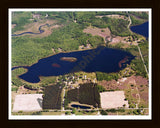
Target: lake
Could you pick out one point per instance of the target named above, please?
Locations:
(101, 59)
(141, 29)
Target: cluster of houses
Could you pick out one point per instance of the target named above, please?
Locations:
(88, 46)
(38, 16)
(73, 81)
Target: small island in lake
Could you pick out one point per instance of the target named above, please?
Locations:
(122, 61)
(56, 65)
(70, 59)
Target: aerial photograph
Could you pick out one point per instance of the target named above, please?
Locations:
(79, 63)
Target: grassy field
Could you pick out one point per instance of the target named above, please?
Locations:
(91, 75)
(52, 113)
(86, 113)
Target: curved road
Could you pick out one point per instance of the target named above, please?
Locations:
(142, 59)
(137, 45)
(130, 21)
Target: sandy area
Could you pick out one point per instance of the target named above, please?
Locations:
(28, 102)
(113, 99)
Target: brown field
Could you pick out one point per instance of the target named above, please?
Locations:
(98, 31)
(113, 99)
(135, 87)
(121, 83)
(118, 39)
(28, 102)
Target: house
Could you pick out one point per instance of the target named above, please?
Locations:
(36, 16)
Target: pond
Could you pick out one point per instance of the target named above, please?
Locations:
(141, 29)
(101, 59)
(80, 106)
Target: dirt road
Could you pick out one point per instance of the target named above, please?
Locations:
(142, 59)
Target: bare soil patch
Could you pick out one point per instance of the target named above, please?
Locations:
(121, 83)
(118, 39)
(105, 32)
(28, 102)
(113, 99)
(133, 86)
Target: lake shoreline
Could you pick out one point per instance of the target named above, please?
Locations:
(138, 24)
(88, 61)
(141, 29)
(68, 52)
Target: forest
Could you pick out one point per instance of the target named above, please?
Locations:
(26, 51)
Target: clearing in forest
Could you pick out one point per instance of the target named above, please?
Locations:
(105, 32)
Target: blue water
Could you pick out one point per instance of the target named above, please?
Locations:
(142, 29)
(101, 59)
(40, 31)
(80, 106)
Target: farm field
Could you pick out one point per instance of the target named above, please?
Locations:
(86, 94)
(113, 100)
(52, 97)
(28, 102)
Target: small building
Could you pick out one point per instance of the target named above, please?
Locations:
(46, 15)
(36, 16)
